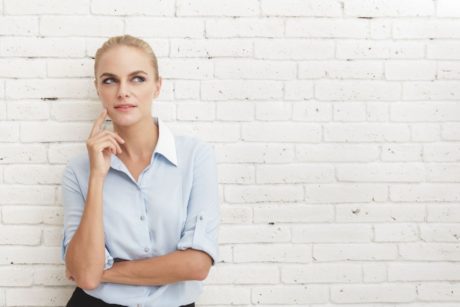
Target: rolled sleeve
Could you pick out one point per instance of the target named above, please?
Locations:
(74, 203)
(203, 213)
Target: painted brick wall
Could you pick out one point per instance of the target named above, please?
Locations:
(336, 124)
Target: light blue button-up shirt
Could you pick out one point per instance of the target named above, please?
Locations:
(174, 205)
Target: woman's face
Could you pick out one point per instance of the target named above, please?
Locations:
(126, 85)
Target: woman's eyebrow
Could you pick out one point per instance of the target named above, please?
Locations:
(113, 75)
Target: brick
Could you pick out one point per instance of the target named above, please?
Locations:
(393, 8)
(448, 70)
(425, 192)
(235, 110)
(241, 90)
(276, 110)
(165, 27)
(263, 193)
(133, 7)
(33, 174)
(235, 215)
(425, 111)
(52, 236)
(260, 69)
(294, 173)
(293, 213)
(20, 235)
(342, 193)
(380, 213)
(276, 253)
(70, 67)
(443, 172)
(327, 28)
(23, 153)
(244, 27)
(255, 153)
(430, 251)
(221, 132)
(44, 296)
(293, 49)
(43, 7)
(244, 274)
(355, 251)
(27, 110)
(349, 111)
(9, 131)
(442, 152)
(338, 69)
(53, 131)
(49, 88)
(196, 111)
(80, 26)
(367, 132)
(373, 293)
(75, 110)
(298, 90)
(16, 276)
(381, 172)
(311, 111)
(229, 294)
(320, 8)
(61, 153)
(426, 29)
(253, 234)
(186, 89)
(336, 233)
(217, 8)
(42, 47)
(19, 25)
(396, 232)
(186, 69)
(374, 272)
(357, 90)
(443, 50)
(29, 214)
(285, 295)
(215, 48)
(236, 173)
(280, 132)
(51, 276)
(369, 49)
(337, 153)
(410, 70)
(31, 194)
(425, 132)
(432, 232)
(448, 8)
(438, 292)
(30, 255)
(421, 271)
(321, 273)
(450, 132)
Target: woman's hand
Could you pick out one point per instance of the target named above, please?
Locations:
(101, 144)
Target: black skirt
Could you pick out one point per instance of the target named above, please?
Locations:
(80, 298)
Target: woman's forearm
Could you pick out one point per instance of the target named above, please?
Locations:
(176, 266)
(85, 256)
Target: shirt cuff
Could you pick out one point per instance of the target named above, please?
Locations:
(200, 238)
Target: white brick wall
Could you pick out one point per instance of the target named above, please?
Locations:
(336, 125)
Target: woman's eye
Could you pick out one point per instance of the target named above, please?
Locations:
(141, 79)
(105, 81)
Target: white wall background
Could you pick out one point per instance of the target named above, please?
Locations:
(336, 124)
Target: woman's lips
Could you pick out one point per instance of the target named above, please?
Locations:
(124, 108)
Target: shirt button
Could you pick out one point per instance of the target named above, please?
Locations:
(146, 249)
(142, 217)
(201, 217)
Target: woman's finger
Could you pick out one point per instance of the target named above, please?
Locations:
(105, 137)
(97, 126)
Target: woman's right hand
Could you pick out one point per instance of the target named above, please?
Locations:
(101, 144)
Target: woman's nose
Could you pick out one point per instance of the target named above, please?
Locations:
(123, 89)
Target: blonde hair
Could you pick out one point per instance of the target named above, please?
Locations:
(130, 41)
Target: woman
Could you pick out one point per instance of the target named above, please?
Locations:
(141, 210)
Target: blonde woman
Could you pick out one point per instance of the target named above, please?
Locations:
(141, 210)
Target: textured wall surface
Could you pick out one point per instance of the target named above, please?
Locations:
(336, 125)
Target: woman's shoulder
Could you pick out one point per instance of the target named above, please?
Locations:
(79, 162)
(190, 144)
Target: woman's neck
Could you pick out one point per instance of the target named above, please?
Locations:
(140, 139)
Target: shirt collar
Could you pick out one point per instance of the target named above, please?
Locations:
(166, 145)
